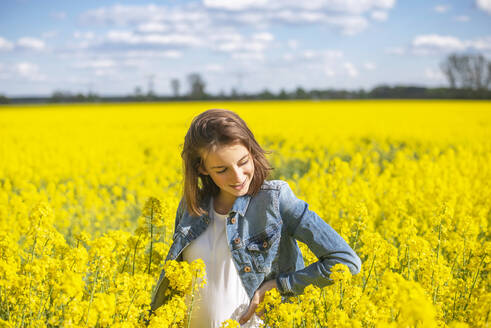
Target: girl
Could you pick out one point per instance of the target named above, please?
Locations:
(243, 226)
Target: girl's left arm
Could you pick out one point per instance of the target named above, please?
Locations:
(329, 247)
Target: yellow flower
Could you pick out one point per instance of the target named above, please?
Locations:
(230, 323)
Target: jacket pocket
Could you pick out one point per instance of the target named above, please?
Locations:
(263, 247)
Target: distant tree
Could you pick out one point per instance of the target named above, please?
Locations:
(283, 94)
(4, 99)
(175, 85)
(300, 93)
(467, 71)
(266, 94)
(138, 91)
(196, 86)
(61, 96)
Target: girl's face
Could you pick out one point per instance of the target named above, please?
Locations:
(231, 168)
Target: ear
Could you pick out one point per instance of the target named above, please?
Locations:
(202, 170)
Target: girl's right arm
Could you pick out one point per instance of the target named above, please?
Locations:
(330, 248)
(158, 295)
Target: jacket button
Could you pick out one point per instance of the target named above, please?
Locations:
(247, 269)
(265, 244)
(237, 240)
(232, 220)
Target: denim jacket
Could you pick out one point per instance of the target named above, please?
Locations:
(262, 231)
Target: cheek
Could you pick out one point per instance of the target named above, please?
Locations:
(217, 178)
(250, 168)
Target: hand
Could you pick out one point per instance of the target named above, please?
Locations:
(256, 299)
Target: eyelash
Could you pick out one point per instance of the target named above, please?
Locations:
(244, 163)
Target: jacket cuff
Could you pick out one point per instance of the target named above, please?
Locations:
(283, 285)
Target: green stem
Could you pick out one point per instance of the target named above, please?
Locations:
(131, 302)
(369, 273)
(92, 293)
(44, 302)
(474, 282)
(356, 238)
(134, 255)
(151, 241)
(192, 304)
(341, 295)
(125, 260)
(408, 263)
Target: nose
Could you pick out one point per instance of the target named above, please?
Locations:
(237, 175)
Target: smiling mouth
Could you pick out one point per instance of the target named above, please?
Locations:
(238, 186)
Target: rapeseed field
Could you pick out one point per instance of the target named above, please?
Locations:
(88, 195)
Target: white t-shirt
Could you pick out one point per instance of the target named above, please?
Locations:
(223, 297)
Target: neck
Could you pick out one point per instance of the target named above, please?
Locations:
(223, 204)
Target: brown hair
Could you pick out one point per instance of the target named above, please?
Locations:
(208, 130)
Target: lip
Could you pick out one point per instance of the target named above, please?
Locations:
(240, 186)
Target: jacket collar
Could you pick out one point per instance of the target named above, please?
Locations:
(240, 204)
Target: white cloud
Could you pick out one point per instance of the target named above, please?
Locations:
(441, 8)
(462, 18)
(292, 44)
(4, 74)
(150, 18)
(327, 55)
(5, 45)
(332, 54)
(148, 54)
(49, 34)
(480, 43)
(248, 56)
(342, 6)
(128, 38)
(28, 71)
(309, 54)
(434, 43)
(84, 35)
(265, 36)
(230, 36)
(395, 50)
(139, 63)
(97, 64)
(350, 69)
(152, 27)
(121, 15)
(348, 16)
(328, 71)
(291, 16)
(104, 73)
(434, 75)
(288, 57)
(369, 66)
(349, 25)
(484, 5)
(241, 47)
(214, 68)
(58, 15)
(379, 15)
(31, 43)
(234, 5)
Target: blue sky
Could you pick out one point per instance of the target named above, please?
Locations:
(112, 47)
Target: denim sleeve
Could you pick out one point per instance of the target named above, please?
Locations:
(179, 213)
(158, 297)
(327, 245)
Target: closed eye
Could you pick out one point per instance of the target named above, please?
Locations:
(241, 164)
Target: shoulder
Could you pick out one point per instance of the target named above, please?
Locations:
(279, 191)
(273, 184)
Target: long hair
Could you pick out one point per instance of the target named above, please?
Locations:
(209, 130)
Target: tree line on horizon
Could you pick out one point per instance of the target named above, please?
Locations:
(468, 76)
